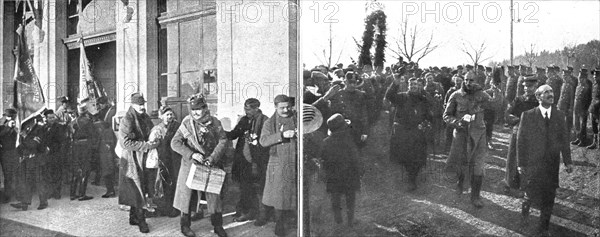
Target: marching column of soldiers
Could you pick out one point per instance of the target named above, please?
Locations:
(469, 100)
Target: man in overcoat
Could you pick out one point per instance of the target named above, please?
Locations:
(82, 140)
(134, 130)
(200, 139)
(250, 161)
(408, 145)
(541, 141)
(567, 98)
(595, 108)
(8, 152)
(583, 99)
(279, 134)
(469, 146)
(521, 104)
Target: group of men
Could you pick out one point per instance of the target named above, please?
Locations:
(55, 148)
(469, 100)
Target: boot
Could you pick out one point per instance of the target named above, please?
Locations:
(251, 215)
(337, 215)
(186, 222)
(279, 223)
(350, 214)
(141, 215)
(594, 144)
(110, 188)
(460, 184)
(412, 182)
(217, 221)
(74, 184)
(475, 189)
(22, 206)
(525, 208)
(264, 214)
(133, 220)
(83, 188)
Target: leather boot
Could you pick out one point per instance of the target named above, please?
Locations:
(83, 188)
(350, 213)
(337, 215)
(141, 215)
(412, 182)
(133, 220)
(460, 185)
(264, 214)
(217, 221)
(73, 186)
(576, 142)
(594, 144)
(475, 190)
(250, 215)
(186, 222)
(279, 223)
(110, 187)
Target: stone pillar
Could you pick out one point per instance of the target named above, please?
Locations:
(7, 67)
(137, 53)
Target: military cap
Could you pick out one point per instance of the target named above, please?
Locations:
(570, 68)
(10, 112)
(459, 67)
(480, 67)
(319, 75)
(444, 68)
(63, 99)
(197, 102)
(469, 66)
(530, 80)
(436, 68)
(454, 72)
(488, 69)
(163, 109)
(47, 112)
(138, 99)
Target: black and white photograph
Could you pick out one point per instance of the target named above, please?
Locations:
(149, 118)
(451, 118)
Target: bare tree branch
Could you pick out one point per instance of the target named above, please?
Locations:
(475, 54)
(409, 46)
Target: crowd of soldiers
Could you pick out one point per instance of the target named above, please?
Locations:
(55, 148)
(422, 104)
(59, 147)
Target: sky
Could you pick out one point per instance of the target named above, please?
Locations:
(547, 25)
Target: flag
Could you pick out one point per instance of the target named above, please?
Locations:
(89, 89)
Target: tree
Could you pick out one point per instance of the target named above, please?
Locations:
(475, 54)
(326, 58)
(407, 46)
(531, 55)
(569, 52)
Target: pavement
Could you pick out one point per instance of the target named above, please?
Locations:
(102, 217)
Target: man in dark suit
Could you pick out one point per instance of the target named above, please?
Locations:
(541, 140)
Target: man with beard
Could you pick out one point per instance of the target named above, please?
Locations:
(352, 104)
(541, 141)
(583, 99)
(513, 116)
(469, 146)
(595, 108)
(8, 152)
(134, 130)
(249, 162)
(279, 135)
(201, 140)
(408, 145)
(32, 163)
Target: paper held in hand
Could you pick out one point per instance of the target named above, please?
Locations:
(206, 179)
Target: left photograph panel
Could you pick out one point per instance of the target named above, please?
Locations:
(149, 118)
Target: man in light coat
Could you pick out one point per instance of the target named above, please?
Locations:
(200, 139)
(279, 134)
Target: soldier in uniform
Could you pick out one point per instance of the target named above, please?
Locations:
(567, 98)
(527, 101)
(497, 99)
(555, 82)
(57, 135)
(458, 81)
(61, 112)
(8, 152)
(469, 146)
(541, 74)
(583, 99)
(32, 163)
(351, 103)
(522, 74)
(408, 145)
(595, 108)
(83, 138)
(511, 85)
(481, 76)
(200, 139)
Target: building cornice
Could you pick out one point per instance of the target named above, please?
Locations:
(88, 40)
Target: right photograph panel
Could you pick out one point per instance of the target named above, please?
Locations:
(460, 118)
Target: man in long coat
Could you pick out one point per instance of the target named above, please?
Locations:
(595, 108)
(469, 146)
(521, 104)
(567, 98)
(279, 134)
(583, 99)
(408, 145)
(250, 161)
(541, 141)
(8, 152)
(134, 130)
(200, 139)
(83, 139)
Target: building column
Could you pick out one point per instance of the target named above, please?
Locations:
(7, 67)
(137, 53)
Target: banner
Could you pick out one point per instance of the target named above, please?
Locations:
(89, 89)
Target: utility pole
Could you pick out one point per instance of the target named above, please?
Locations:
(511, 32)
(330, 46)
